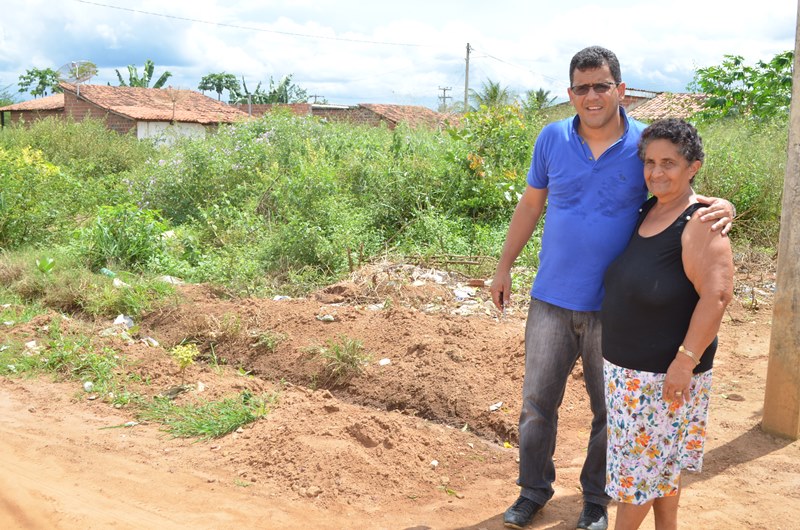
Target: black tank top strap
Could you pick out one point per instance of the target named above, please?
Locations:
(680, 223)
(643, 209)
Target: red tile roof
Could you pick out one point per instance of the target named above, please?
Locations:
(669, 105)
(159, 104)
(412, 115)
(54, 102)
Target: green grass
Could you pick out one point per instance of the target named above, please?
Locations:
(68, 357)
(70, 287)
(208, 420)
(269, 340)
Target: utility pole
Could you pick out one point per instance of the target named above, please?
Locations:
(782, 397)
(466, 83)
(315, 96)
(444, 97)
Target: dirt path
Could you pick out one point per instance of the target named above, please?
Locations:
(386, 451)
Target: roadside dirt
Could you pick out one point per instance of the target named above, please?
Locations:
(425, 440)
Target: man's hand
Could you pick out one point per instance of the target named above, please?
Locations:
(720, 211)
(501, 289)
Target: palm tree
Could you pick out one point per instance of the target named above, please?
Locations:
(491, 95)
(147, 75)
(538, 99)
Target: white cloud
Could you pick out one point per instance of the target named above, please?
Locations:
(521, 44)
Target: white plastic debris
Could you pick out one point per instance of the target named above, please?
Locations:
(434, 463)
(31, 348)
(464, 293)
(88, 386)
(282, 297)
(119, 284)
(124, 320)
(172, 280)
(385, 362)
(326, 318)
(496, 406)
(150, 341)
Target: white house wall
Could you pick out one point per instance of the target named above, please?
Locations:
(167, 132)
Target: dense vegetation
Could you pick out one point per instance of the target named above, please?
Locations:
(282, 204)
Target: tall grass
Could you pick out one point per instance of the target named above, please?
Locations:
(746, 164)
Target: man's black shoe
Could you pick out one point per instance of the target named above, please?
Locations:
(520, 513)
(593, 517)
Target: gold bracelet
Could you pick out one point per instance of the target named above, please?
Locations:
(690, 354)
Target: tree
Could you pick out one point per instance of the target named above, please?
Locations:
(219, 82)
(147, 75)
(538, 99)
(78, 71)
(283, 92)
(41, 80)
(491, 95)
(286, 91)
(735, 89)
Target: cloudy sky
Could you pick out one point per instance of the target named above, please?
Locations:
(402, 52)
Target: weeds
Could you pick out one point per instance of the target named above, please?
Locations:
(61, 282)
(208, 420)
(342, 360)
(245, 210)
(184, 355)
(268, 340)
(70, 358)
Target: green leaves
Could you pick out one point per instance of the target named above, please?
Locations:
(39, 81)
(218, 83)
(735, 89)
(123, 235)
(147, 75)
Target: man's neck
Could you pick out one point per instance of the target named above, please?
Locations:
(609, 133)
(600, 139)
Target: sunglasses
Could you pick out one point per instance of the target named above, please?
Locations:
(599, 88)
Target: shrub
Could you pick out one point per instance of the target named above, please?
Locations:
(745, 163)
(35, 203)
(342, 360)
(123, 235)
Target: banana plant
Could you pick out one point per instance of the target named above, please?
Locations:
(143, 81)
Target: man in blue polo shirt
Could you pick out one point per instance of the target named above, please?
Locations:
(588, 171)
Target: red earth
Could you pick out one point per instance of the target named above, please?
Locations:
(425, 440)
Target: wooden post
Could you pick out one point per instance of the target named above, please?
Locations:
(782, 398)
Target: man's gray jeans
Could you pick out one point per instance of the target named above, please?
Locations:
(554, 339)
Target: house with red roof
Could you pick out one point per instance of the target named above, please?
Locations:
(145, 112)
(364, 113)
(669, 105)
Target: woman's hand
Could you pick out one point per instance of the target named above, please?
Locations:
(678, 380)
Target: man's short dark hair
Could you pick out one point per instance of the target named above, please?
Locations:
(595, 57)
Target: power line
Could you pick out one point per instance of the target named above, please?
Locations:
(250, 28)
(490, 56)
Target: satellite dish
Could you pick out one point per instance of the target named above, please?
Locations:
(77, 72)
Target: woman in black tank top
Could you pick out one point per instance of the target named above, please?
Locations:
(664, 301)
